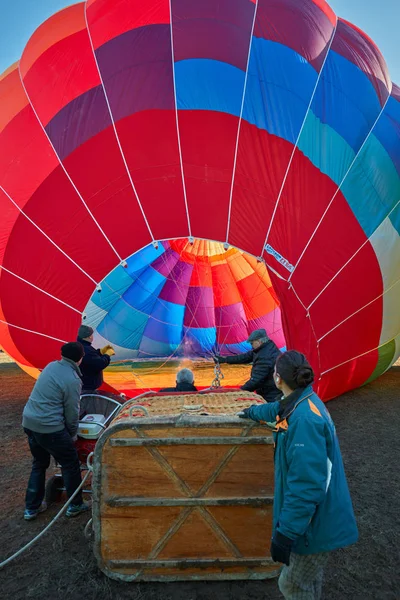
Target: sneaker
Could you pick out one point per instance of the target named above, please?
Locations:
(31, 514)
(74, 510)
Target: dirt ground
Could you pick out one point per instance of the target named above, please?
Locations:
(62, 565)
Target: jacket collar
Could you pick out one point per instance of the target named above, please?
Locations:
(71, 363)
(289, 403)
(261, 347)
(84, 342)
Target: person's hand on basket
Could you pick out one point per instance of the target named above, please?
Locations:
(245, 413)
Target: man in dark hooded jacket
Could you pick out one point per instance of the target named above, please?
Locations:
(94, 362)
(263, 356)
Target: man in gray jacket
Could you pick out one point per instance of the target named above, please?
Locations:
(50, 420)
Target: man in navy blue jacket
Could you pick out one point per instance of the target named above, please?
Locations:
(94, 362)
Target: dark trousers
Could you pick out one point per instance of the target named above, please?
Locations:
(61, 447)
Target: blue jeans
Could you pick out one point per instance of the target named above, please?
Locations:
(61, 447)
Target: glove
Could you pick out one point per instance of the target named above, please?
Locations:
(245, 413)
(110, 352)
(105, 349)
(281, 548)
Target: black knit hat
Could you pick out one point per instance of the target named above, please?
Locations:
(258, 334)
(72, 350)
(85, 331)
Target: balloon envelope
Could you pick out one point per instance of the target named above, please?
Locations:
(271, 126)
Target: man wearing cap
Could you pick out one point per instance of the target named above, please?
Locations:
(94, 362)
(50, 420)
(263, 356)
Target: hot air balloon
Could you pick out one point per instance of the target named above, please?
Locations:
(269, 127)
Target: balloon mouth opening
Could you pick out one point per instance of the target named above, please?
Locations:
(183, 299)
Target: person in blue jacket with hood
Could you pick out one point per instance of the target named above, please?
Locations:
(313, 513)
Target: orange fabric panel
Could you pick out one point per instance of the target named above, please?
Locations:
(225, 288)
(12, 96)
(59, 26)
(256, 298)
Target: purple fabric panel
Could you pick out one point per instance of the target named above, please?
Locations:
(302, 26)
(396, 92)
(160, 332)
(214, 30)
(351, 43)
(272, 324)
(166, 262)
(80, 120)
(199, 307)
(231, 324)
(136, 68)
(176, 287)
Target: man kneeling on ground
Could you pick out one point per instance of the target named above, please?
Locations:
(184, 382)
(50, 420)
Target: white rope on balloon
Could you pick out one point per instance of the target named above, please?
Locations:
(115, 128)
(339, 187)
(240, 122)
(177, 120)
(64, 169)
(299, 135)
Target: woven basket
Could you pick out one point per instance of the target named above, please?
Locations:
(212, 403)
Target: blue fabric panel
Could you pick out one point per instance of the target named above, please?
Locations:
(346, 100)
(144, 292)
(203, 84)
(113, 286)
(387, 131)
(166, 323)
(372, 184)
(199, 340)
(152, 349)
(139, 261)
(326, 149)
(279, 88)
(120, 334)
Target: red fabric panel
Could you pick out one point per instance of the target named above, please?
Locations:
(363, 277)
(98, 172)
(109, 18)
(26, 307)
(297, 327)
(155, 169)
(24, 149)
(261, 165)
(61, 74)
(349, 376)
(31, 256)
(208, 145)
(57, 209)
(338, 225)
(305, 197)
(353, 338)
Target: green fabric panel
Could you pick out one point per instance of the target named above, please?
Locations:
(386, 354)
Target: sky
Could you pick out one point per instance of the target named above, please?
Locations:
(379, 18)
